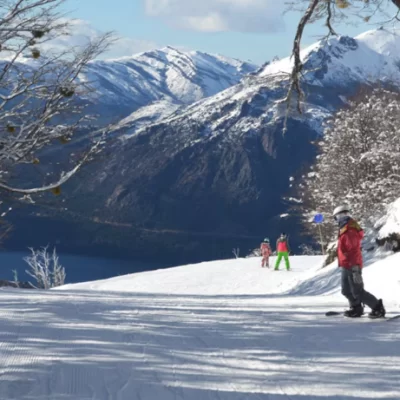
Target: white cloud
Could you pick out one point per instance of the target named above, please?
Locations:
(127, 46)
(220, 15)
(82, 32)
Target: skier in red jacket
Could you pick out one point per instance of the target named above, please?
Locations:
(282, 250)
(351, 263)
(266, 251)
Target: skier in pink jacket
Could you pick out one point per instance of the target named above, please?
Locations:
(266, 251)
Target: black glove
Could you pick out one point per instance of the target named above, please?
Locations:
(357, 277)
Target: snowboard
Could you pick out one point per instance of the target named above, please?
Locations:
(336, 313)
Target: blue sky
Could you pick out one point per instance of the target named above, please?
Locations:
(246, 29)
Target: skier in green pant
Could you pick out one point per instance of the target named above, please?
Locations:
(282, 249)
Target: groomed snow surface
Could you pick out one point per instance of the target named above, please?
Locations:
(222, 330)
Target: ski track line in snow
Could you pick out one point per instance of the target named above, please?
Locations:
(108, 345)
(12, 351)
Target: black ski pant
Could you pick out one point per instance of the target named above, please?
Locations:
(354, 291)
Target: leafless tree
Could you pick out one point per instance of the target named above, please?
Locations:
(39, 90)
(15, 276)
(58, 273)
(332, 12)
(45, 268)
(236, 252)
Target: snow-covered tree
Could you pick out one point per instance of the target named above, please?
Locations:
(307, 250)
(39, 90)
(236, 252)
(359, 160)
(254, 253)
(45, 268)
(15, 277)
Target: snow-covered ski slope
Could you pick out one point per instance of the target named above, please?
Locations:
(223, 330)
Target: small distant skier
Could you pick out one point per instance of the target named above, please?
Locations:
(351, 263)
(282, 250)
(266, 251)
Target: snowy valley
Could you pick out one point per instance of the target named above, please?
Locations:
(224, 330)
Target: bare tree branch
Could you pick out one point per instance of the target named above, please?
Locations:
(37, 90)
(63, 179)
(298, 66)
(331, 11)
(329, 18)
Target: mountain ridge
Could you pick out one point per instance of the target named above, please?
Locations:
(166, 74)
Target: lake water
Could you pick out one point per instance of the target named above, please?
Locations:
(78, 268)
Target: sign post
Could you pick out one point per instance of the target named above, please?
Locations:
(319, 219)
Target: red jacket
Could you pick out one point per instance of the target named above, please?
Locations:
(265, 250)
(282, 246)
(349, 245)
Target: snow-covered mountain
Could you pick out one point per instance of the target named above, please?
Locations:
(338, 61)
(215, 174)
(225, 330)
(146, 115)
(166, 78)
(168, 75)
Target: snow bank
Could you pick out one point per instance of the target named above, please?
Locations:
(390, 223)
(238, 276)
(224, 330)
(245, 277)
(381, 277)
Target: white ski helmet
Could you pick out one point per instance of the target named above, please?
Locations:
(341, 209)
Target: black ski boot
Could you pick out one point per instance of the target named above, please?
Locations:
(354, 311)
(378, 312)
